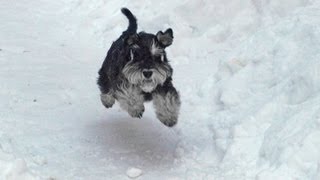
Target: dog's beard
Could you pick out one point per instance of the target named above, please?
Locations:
(135, 76)
(148, 85)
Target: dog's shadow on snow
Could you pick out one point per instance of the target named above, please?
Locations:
(129, 141)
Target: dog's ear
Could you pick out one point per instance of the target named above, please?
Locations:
(132, 39)
(166, 38)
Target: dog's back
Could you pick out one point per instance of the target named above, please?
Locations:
(111, 66)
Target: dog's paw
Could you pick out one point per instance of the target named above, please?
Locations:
(168, 119)
(137, 112)
(169, 122)
(107, 100)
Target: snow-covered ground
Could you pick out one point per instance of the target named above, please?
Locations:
(248, 73)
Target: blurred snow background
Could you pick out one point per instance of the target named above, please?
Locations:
(248, 73)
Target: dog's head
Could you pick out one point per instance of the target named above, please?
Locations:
(147, 65)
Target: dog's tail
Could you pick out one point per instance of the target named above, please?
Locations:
(132, 28)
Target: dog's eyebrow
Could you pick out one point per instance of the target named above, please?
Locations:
(131, 55)
(155, 50)
(135, 46)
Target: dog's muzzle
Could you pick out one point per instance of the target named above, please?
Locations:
(148, 85)
(146, 79)
(151, 79)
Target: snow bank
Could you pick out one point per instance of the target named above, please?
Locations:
(268, 89)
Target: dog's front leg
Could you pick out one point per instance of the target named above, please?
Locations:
(166, 101)
(131, 100)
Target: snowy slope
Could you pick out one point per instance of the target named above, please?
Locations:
(248, 73)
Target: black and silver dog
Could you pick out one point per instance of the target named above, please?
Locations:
(136, 70)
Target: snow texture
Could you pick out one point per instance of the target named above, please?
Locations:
(248, 73)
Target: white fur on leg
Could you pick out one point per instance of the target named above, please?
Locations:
(107, 100)
(131, 100)
(167, 107)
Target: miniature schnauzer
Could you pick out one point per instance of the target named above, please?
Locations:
(136, 70)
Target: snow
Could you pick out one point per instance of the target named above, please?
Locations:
(134, 172)
(247, 72)
(18, 170)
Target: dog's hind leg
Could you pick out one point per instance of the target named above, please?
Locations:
(167, 103)
(106, 96)
(107, 100)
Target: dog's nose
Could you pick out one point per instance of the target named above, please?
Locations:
(147, 74)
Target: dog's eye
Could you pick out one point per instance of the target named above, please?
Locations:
(159, 58)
